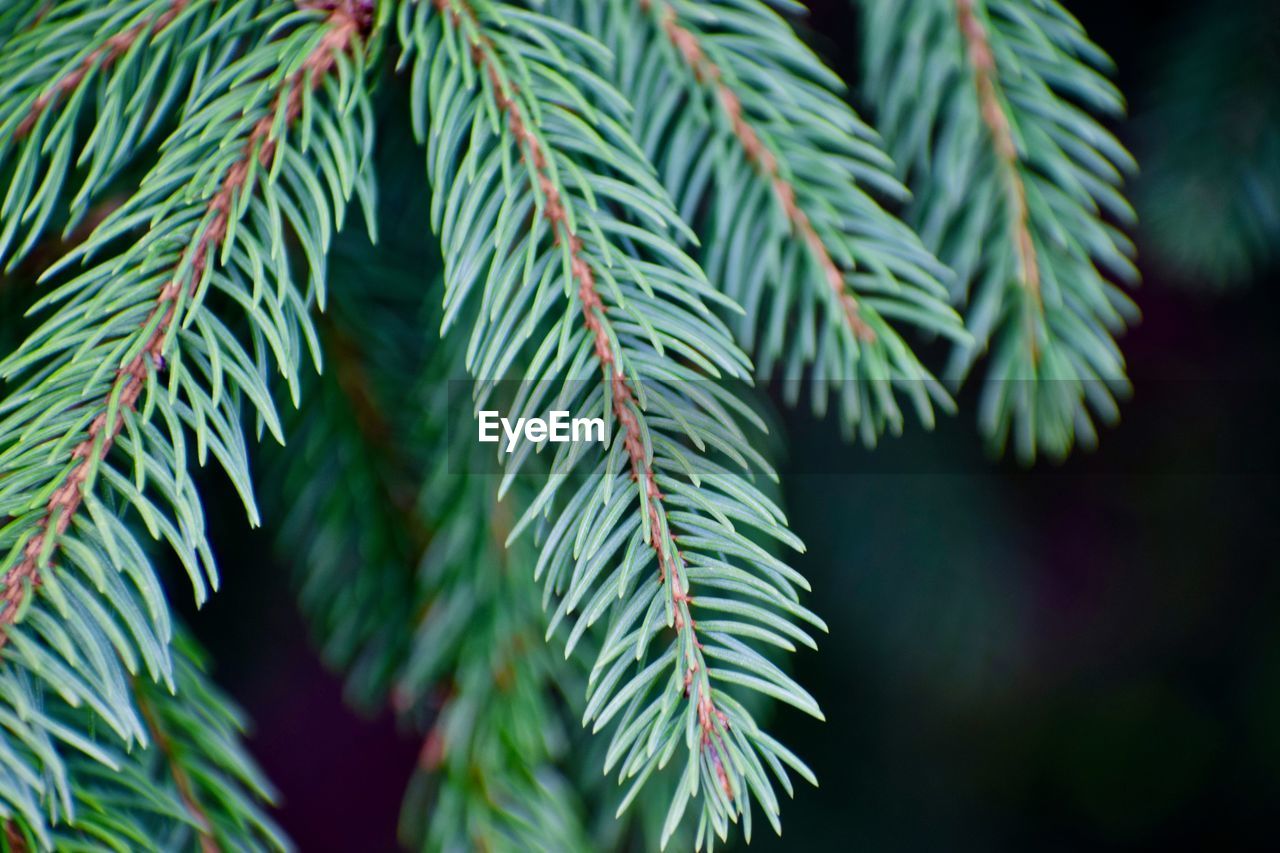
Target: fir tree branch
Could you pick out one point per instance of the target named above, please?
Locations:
(81, 602)
(543, 178)
(363, 504)
(367, 498)
(731, 107)
(344, 26)
(624, 403)
(189, 785)
(991, 105)
(595, 316)
(488, 775)
(987, 105)
(144, 53)
(195, 746)
(161, 742)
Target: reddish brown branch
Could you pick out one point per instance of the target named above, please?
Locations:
(762, 158)
(104, 55)
(14, 838)
(375, 429)
(595, 317)
(347, 20)
(991, 105)
(186, 791)
(431, 755)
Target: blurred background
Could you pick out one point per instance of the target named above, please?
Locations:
(1069, 657)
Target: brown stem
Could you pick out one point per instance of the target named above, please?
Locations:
(991, 105)
(761, 157)
(431, 755)
(14, 838)
(106, 54)
(595, 317)
(347, 20)
(375, 429)
(186, 791)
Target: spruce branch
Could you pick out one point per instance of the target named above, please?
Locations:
(403, 571)
(595, 316)
(544, 201)
(132, 62)
(181, 779)
(195, 743)
(987, 104)
(775, 172)
(991, 106)
(708, 73)
(189, 785)
(155, 331)
(100, 58)
(491, 770)
(80, 605)
(630, 197)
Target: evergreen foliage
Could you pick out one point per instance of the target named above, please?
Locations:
(779, 177)
(404, 574)
(1210, 189)
(132, 356)
(632, 199)
(989, 108)
(194, 786)
(538, 181)
(493, 770)
(130, 65)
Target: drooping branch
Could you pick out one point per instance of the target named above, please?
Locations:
(347, 20)
(986, 82)
(624, 403)
(1019, 189)
(181, 779)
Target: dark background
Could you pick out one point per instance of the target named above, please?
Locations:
(1073, 657)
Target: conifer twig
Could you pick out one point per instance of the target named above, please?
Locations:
(181, 779)
(995, 111)
(986, 81)
(781, 180)
(595, 317)
(347, 20)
